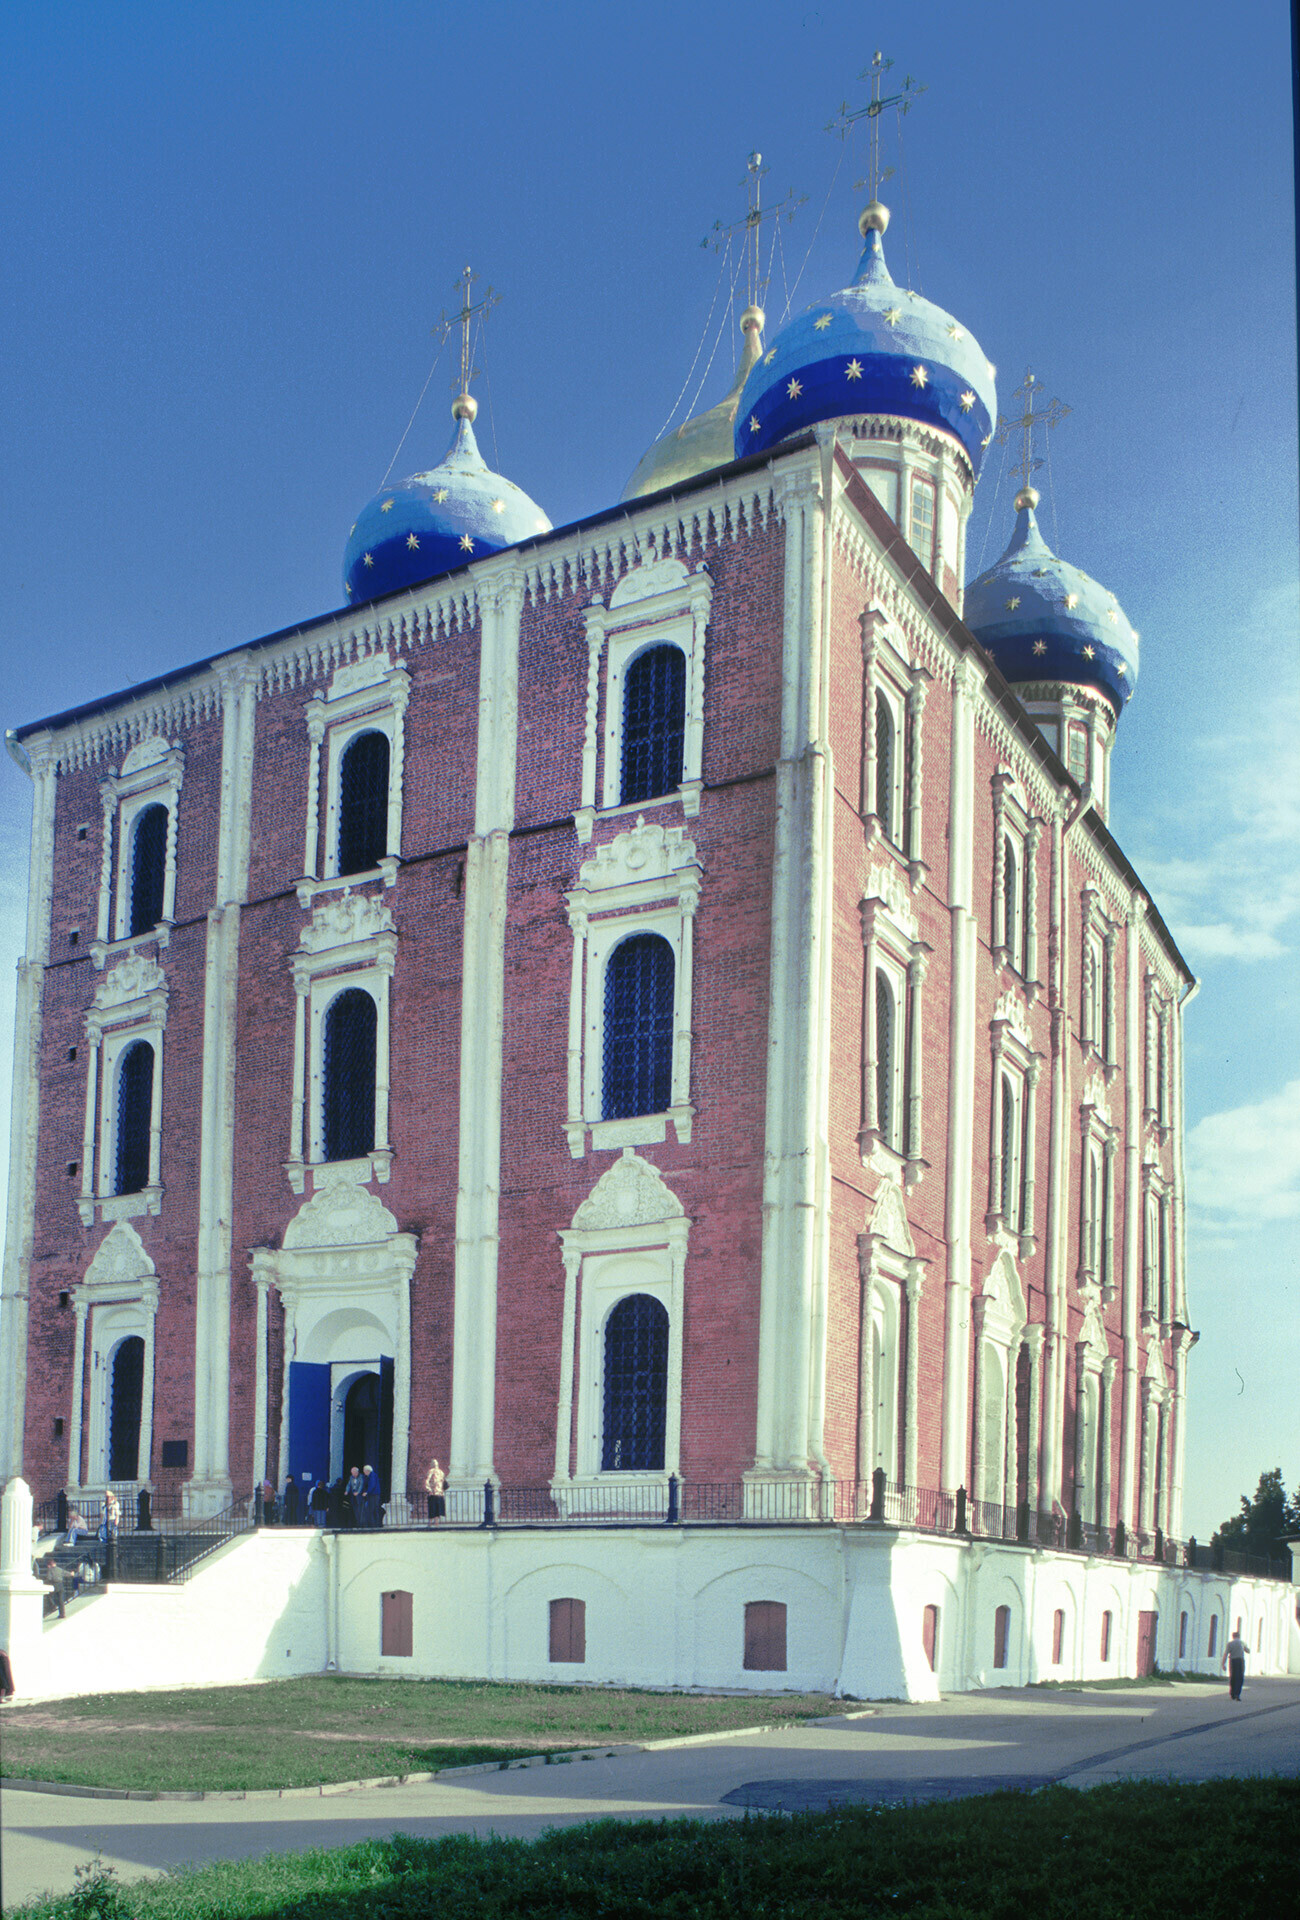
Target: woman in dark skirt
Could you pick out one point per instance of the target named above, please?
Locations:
(435, 1485)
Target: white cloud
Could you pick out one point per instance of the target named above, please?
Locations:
(1244, 1164)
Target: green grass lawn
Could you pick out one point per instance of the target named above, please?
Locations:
(1143, 1850)
(298, 1733)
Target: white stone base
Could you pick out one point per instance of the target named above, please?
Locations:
(664, 1608)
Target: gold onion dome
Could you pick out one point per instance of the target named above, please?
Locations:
(706, 440)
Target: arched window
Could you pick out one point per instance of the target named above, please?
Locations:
(1011, 899)
(125, 1400)
(1058, 1635)
(636, 1386)
(1106, 1619)
(886, 752)
(638, 1058)
(887, 1103)
(363, 803)
(1009, 1198)
(134, 1118)
(348, 1110)
(1001, 1632)
(654, 724)
(148, 869)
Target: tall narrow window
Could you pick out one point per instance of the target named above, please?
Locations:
(1058, 1635)
(134, 1118)
(124, 1408)
(1182, 1636)
(363, 803)
(654, 724)
(1011, 900)
(638, 1056)
(886, 763)
(1011, 1174)
(887, 1102)
(348, 1110)
(636, 1386)
(921, 537)
(1105, 1635)
(1213, 1647)
(148, 869)
(1001, 1630)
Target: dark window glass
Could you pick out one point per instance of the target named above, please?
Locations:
(765, 1636)
(638, 1058)
(349, 1101)
(636, 1386)
(886, 1117)
(363, 803)
(1010, 1196)
(134, 1117)
(654, 721)
(1010, 893)
(148, 869)
(124, 1410)
(885, 766)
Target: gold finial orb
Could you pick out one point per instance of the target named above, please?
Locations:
(873, 219)
(753, 320)
(1027, 497)
(464, 407)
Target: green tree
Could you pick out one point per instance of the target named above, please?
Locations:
(1264, 1522)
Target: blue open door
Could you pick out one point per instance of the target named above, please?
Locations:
(309, 1419)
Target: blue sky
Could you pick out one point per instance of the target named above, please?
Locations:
(232, 227)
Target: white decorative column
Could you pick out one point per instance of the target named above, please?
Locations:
(209, 1487)
(78, 1393)
(149, 1295)
(681, 1070)
(789, 1287)
(961, 1079)
(1136, 1006)
(315, 734)
(1109, 1368)
(402, 1389)
(1033, 1338)
(478, 1198)
(22, 1595)
(262, 1281)
(37, 761)
(1183, 1342)
(289, 1302)
(568, 1329)
(912, 1412)
(1012, 1428)
(913, 1144)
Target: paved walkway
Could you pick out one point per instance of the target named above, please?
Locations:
(967, 1743)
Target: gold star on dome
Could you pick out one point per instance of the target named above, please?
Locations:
(368, 559)
(411, 541)
(892, 316)
(919, 376)
(967, 401)
(1071, 601)
(956, 333)
(794, 389)
(1040, 646)
(498, 506)
(753, 423)
(441, 494)
(985, 441)
(1013, 603)
(768, 358)
(853, 371)
(352, 529)
(1090, 653)
(1111, 615)
(466, 543)
(347, 587)
(820, 325)
(388, 506)
(1121, 669)
(912, 294)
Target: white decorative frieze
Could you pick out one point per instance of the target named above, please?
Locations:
(886, 886)
(146, 753)
(341, 1213)
(348, 917)
(134, 978)
(370, 671)
(121, 1265)
(645, 852)
(1009, 1012)
(631, 1193)
(889, 1220)
(648, 578)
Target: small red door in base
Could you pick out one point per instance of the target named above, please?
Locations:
(1146, 1662)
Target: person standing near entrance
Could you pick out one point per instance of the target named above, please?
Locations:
(435, 1485)
(1234, 1659)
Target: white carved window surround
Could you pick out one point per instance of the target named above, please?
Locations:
(1157, 1249)
(645, 880)
(130, 1005)
(999, 1316)
(629, 1236)
(1094, 1415)
(1013, 1130)
(1159, 1021)
(1097, 981)
(892, 1279)
(893, 701)
(118, 1299)
(1099, 1143)
(350, 942)
(658, 603)
(366, 696)
(1016, 837)
(1153, 1491)
(894, 963)
(151, 776)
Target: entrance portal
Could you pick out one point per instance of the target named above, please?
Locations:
(361, 1422)
(124, 1407)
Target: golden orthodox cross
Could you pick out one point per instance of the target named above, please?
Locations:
(848, 116)
(1048, 415)
(752, 223)
(463, 317)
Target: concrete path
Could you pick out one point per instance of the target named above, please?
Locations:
(967, 1743)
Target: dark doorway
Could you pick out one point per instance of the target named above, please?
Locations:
(125, 1399)
(361, 1423)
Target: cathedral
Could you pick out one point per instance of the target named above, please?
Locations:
(652, 1015)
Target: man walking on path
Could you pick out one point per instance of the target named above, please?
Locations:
(1234, 1659)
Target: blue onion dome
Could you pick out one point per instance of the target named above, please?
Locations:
(871, 349)
(706, 440)
(456, 512)
(1044, 620)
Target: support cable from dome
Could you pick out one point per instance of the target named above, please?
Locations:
(672, 411)
(411, 422)
(717, 341)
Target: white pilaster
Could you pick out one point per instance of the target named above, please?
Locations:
(1130, 1305)
(78, 1395)
(478, 1198)
(961, 1082)
(568, 1329)
(263, 1284)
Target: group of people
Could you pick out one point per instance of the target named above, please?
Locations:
(354, 1501)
